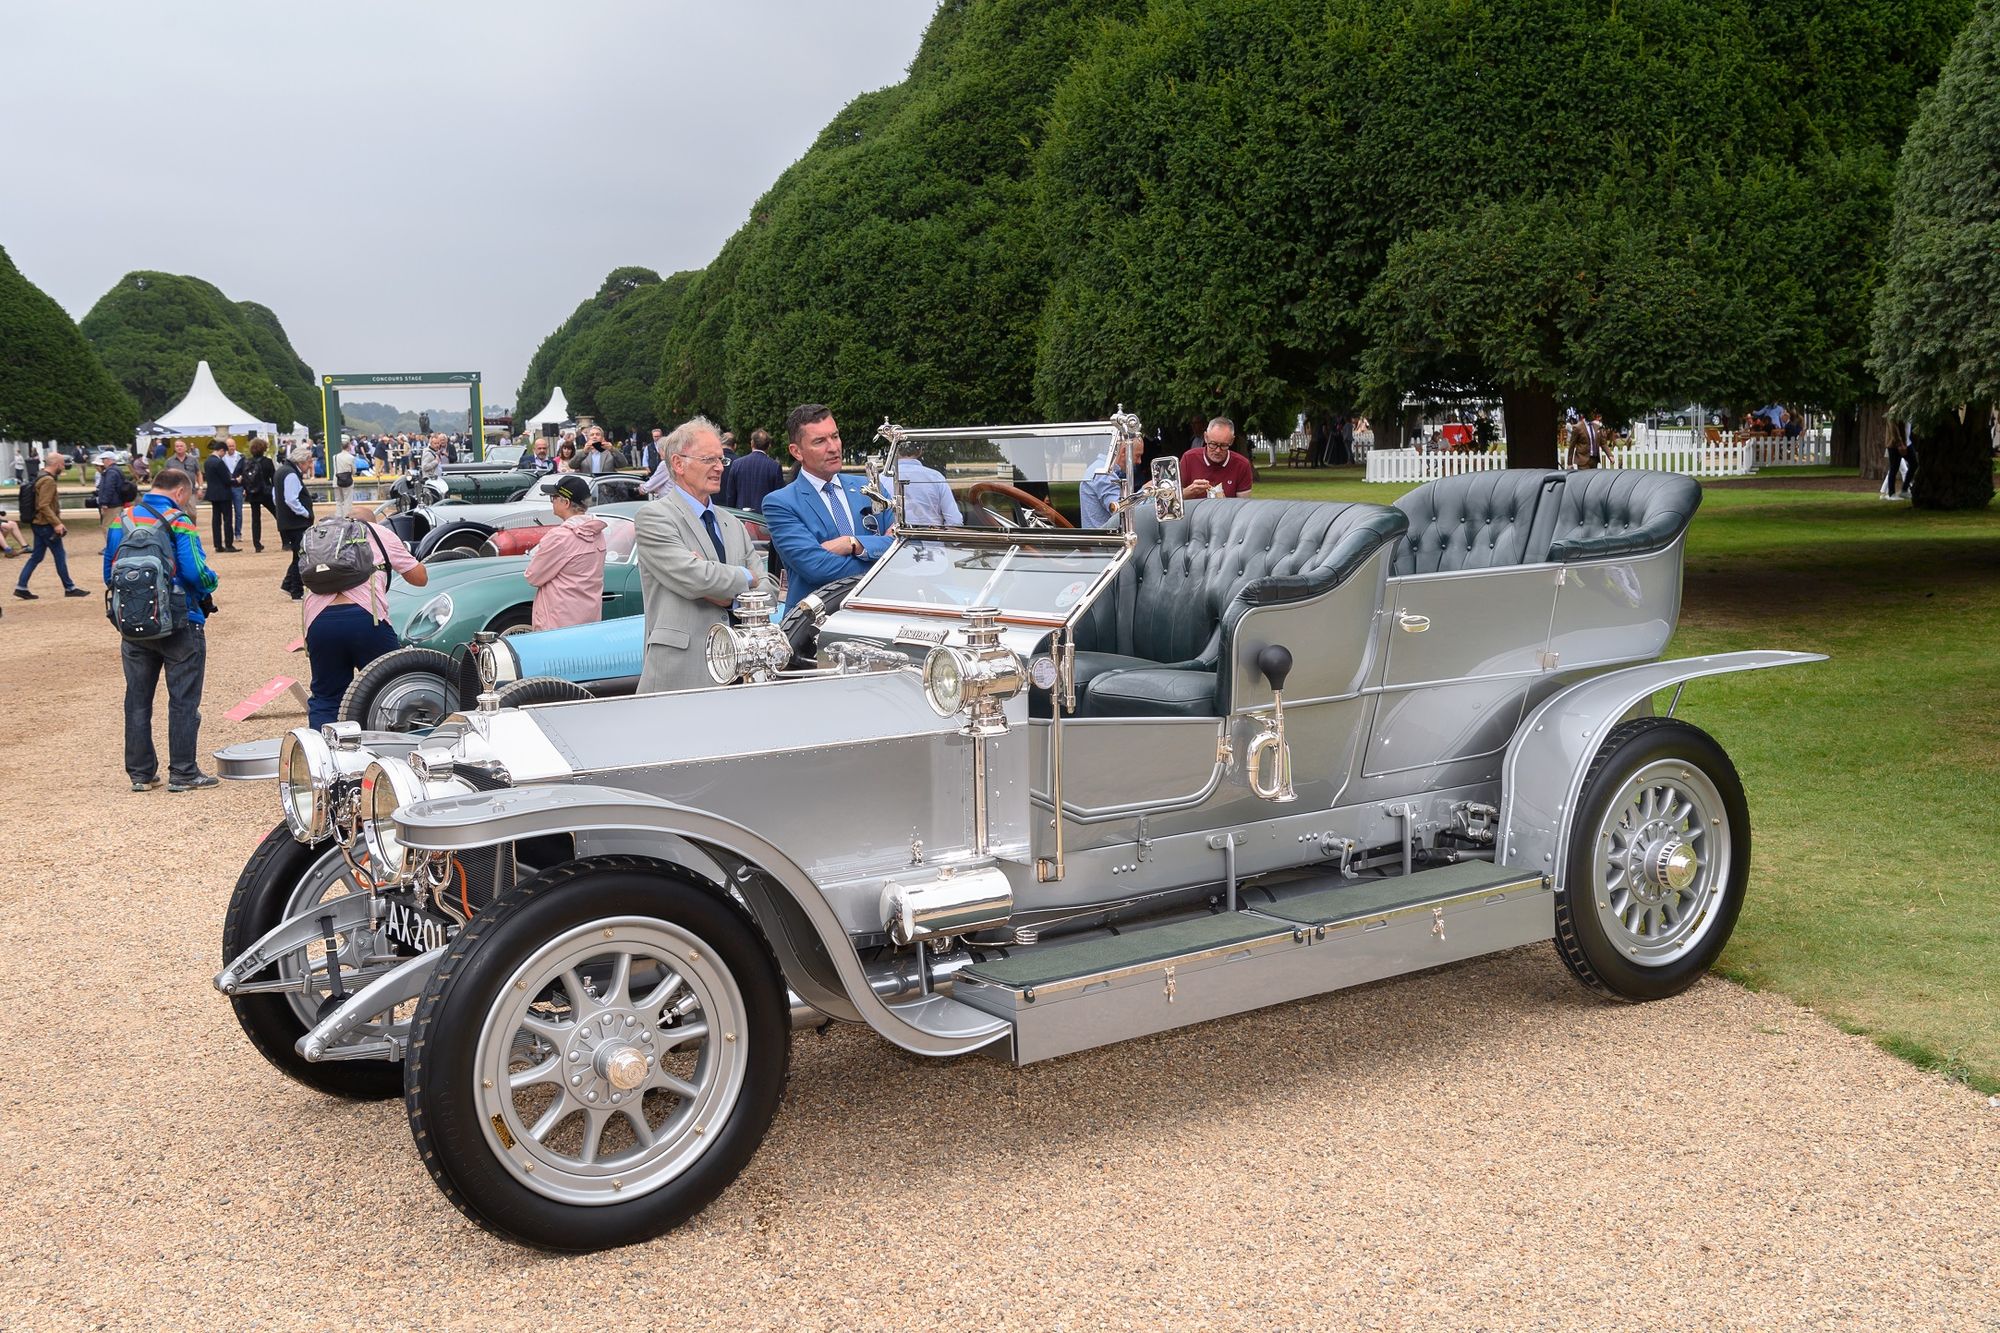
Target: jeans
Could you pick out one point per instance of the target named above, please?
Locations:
(236, 513)
(45, 542)
(340, 641)
(183, 655)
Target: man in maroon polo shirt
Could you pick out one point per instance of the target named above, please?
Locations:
(1216, 468)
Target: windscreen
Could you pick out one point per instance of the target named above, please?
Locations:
(1016, 455)
(1021, 577)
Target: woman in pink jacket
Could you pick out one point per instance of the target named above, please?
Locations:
(566, 567)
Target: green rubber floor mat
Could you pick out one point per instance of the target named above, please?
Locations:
(1323, 902)
(1044, 964)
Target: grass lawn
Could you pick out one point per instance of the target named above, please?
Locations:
(1874, 778)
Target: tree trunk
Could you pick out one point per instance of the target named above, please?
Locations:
(1954, 462)
(1873, 433)
(1846, 440)
(1531, 420)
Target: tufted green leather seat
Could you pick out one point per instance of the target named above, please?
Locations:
(1610, 512)
(1522, 516)
(1156, 644)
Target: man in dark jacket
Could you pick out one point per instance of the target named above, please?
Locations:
(219, 487)
(294, 513)
(257, 479)
(753, 476)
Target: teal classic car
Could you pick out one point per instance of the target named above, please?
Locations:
(412, 688)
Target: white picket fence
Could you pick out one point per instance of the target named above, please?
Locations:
(1698, 458)
(1814, 447)
(1407, 465)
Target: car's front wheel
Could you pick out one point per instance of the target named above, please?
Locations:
(1657, 863)
(597, 1056)
(283, 878)
(409, 690)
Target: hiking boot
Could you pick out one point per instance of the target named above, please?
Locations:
(144, 784)
(76, 592)
(195, 783)
(27, 596)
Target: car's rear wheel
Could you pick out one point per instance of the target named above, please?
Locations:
(409, 690)
(283, 878)
(1657, 864)
(597, 1056)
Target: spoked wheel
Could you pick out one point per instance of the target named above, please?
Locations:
(409, 690)
(283, 878)
(597, 1056)
(1658, 862)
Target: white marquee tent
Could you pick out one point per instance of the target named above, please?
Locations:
(556, 409)
(204, 408)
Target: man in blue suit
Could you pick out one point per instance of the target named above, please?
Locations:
(821, 524)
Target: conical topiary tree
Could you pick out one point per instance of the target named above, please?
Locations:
(1937, 314)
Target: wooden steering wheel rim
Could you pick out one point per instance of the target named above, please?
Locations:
(980, 489)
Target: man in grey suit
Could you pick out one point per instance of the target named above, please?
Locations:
(694, 560)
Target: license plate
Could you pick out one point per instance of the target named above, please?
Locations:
(412, 928)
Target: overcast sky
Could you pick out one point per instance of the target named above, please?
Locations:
(357, 167)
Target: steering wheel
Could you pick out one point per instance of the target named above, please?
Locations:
(1037, 507)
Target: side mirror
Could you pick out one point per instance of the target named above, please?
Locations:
(1166, 488)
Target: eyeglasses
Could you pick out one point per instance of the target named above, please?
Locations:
(704, 460)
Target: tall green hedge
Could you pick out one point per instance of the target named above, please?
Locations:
(52, 386)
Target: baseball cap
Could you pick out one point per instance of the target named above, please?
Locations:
(572, 488)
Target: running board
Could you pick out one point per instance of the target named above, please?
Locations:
(1302, 938)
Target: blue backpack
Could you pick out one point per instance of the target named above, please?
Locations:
(144, 601)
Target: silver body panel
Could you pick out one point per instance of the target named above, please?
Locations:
(815, 797)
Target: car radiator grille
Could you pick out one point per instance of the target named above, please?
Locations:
(469, 684)
(489, 871)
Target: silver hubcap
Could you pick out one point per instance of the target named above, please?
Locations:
(1662, 860)
(413, 702)
(326, 879)
(611, 1061)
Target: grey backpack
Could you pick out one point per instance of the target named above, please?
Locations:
(336, 554)
(143, 600)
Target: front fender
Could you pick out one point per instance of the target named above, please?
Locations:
(1546, 761)
(481, 819)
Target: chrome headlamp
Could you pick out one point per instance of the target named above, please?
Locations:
(387, 786)
(976, 679)
(305, 772)
(431, 618)
(753, 649)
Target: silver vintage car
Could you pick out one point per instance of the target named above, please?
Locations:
(1021, 792)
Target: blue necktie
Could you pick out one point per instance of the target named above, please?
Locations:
(839, 503)
(714, 534)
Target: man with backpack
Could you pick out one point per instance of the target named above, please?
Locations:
(158, 593)
(345, 565)
(114, 490)
(41, 507)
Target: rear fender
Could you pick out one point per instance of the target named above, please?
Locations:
(813, 948)
(1546, 761)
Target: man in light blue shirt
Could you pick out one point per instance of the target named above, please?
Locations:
(1104, 482)
(927, 499)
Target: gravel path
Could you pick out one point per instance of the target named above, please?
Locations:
(1485, 1146)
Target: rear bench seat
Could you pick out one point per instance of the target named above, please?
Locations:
(1483, 520)
(1156, 642)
